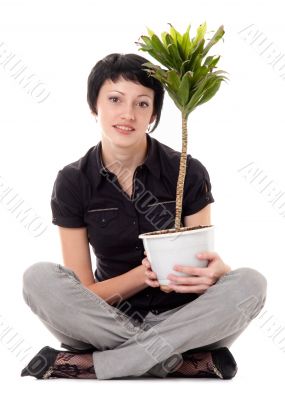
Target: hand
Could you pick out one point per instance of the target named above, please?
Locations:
(151, 278)
(203, 277)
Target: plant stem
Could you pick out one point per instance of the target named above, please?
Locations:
(182, 173)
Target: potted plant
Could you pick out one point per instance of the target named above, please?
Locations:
(190, 80)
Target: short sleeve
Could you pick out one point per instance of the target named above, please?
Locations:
(197, 187)
(66, 199)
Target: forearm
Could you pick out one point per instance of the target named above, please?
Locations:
(120, 287)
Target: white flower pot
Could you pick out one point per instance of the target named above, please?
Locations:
(164, 250)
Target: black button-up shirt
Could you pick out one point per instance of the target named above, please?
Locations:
(87, 194)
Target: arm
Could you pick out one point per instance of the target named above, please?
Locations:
(76, 253)
(202, 217)
(76, 256)
(121, 287)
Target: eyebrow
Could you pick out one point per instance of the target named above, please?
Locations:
(141, 95)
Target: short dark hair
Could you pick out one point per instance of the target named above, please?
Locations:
(128, 66)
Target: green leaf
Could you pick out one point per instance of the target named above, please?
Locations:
(175, 56)
(161, 51)
(210, 92)
(199, 75)
(158, 45)
(150, 32)
(163, 37)
(212, 61)
(188, 78)
(173, 96)
(197, 52)
(186, 66)
(197, 62)
(147, 41)
(184, 88)
(177, 38)
(217, 36)
(157, 72)
(196, 96)
(201, 31)
(186, 43)
(173, 80)
(219, 71)
(169, 39)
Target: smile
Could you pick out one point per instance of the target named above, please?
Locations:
(124, 128)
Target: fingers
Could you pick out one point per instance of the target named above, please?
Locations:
(152, 283)
(199, 289)
(151, 277)
(208, 255)
(194, 271)
(149, 271)
(146, 263)
(150, 274)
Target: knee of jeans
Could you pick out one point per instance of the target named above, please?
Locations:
(37, 275)
(254, 279)
(254, 284)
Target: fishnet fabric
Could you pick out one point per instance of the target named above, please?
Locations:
(70, 365)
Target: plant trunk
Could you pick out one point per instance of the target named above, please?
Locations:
(182, 173)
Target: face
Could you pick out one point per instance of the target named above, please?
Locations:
(124, 111)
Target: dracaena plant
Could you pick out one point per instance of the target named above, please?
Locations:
(188, 76)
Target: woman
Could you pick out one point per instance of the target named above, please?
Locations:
(118, 322)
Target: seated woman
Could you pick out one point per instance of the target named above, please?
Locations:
(118, 322)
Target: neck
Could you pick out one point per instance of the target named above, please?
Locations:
(118, 159)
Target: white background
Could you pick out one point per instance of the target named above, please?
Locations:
(59, 42)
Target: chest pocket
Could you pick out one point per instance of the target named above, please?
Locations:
(103, 226)
(103, 217)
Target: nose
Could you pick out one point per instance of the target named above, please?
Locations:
(128, 112)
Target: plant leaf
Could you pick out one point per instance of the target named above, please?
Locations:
(184, 88)
(174, 53)
(173, 80)
(186, 43)
(201, 31)
(217, 36)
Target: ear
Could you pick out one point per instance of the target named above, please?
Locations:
(152, 119)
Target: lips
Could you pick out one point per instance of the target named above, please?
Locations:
(125, 129)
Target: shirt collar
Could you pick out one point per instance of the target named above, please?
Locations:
(151, 161)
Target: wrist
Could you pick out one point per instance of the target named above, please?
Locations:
(142, 276)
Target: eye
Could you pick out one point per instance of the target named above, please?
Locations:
(114, 99)
(143, 104)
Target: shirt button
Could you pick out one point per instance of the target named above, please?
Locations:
(134, 222)
(138, 248)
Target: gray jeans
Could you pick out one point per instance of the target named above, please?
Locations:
(121, 345)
